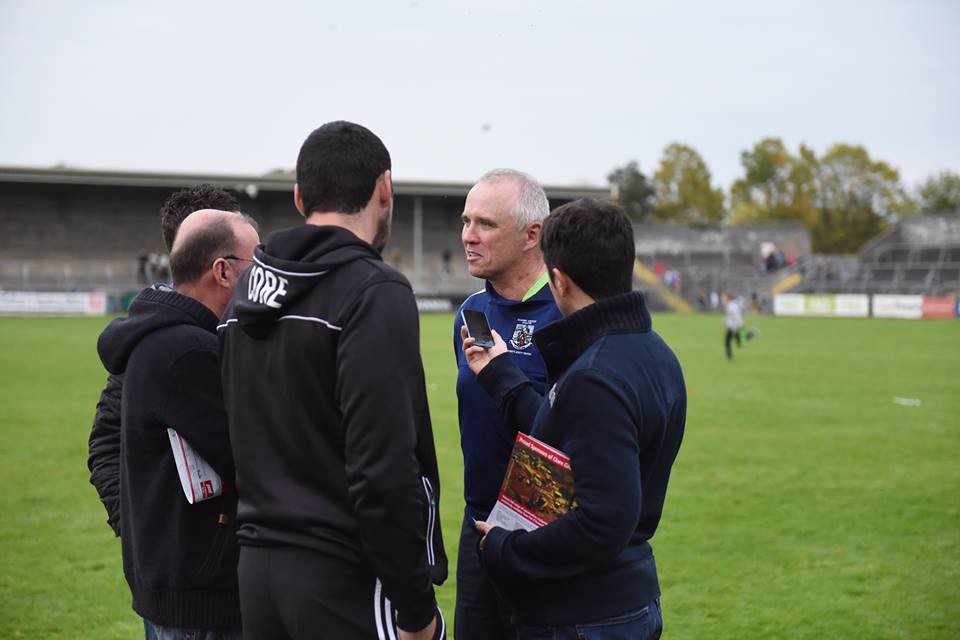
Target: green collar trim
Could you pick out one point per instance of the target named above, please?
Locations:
(539, 284)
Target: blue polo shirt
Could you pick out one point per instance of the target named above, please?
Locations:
(484, 438)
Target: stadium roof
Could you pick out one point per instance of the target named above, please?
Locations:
(274, 181)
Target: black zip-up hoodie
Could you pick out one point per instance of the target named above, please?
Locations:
(180, 560)
(328, 412)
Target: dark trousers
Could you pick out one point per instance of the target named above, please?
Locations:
(732, 334)
(481, 613)
(289, 593)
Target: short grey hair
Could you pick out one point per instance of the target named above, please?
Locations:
(532, 204)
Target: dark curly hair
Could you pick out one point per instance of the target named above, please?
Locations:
(184, 202)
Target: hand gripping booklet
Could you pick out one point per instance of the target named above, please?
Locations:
(537, 488)
(198, 479)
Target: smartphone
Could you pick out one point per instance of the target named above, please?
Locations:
(477, 327)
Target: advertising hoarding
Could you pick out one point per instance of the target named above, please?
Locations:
(52, 303)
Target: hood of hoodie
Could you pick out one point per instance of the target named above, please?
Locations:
(154, 308)
(287, 267)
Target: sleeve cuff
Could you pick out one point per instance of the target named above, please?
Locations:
(500, 377)
(491, 557)
(416, 616)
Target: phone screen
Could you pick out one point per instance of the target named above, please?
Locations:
(477, 327)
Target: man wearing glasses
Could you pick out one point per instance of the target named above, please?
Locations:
(104, 446)
(179, 558)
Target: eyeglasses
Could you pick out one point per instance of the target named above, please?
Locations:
(233, 257)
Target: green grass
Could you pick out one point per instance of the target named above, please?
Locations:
(805, 503)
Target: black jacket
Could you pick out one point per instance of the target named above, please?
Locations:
(104, 450)
(180, 560)
(328, 412)
(617, 407)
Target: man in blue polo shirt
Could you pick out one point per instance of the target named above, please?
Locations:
(501, 236)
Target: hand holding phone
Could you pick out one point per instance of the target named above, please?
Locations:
(477, 327)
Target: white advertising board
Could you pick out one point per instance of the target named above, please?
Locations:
(434, 305)
(52, 303)
(852, 305)
(890, 306)
(788, 304)
(846, 305)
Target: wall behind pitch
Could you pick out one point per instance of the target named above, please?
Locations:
(831, 305)
(861, 305)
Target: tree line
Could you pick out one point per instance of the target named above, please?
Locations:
(844, 196)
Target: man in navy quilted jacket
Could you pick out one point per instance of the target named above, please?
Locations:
(616, 406)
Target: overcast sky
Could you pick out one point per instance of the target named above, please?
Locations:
(564, 90)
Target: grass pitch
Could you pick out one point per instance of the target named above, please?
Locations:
(813, 497)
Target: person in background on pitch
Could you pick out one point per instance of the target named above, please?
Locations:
(733, 320)
(501, 218)
(179, 559)
(617, 408)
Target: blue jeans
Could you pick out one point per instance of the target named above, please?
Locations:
(646, 623)
(174, 633)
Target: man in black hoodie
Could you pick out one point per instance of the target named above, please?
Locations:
(324, 386)
(178, 558)
(104, 443)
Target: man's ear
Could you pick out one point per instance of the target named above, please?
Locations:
(220, 271)
(532, 240)
(385, 188)
(561, 282)
(298, 199)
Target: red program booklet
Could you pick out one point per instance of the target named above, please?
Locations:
(537, 488)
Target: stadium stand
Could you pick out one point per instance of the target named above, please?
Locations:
(70, 230)
(77, 230)
(918, 255)
(717, 259)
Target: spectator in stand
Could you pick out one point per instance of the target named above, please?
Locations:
(669, 278)
(701, 300)
(163, 268)
(142, 260)
(766, 256)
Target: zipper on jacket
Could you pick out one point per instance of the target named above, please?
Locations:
(431, 519)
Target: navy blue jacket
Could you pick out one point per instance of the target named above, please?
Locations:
(485, 439)
(617, 407)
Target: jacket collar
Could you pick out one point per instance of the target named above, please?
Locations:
(170, 297)
(542, 295)
(562, 342)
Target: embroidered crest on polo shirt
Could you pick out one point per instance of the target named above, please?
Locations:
(523, 334)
